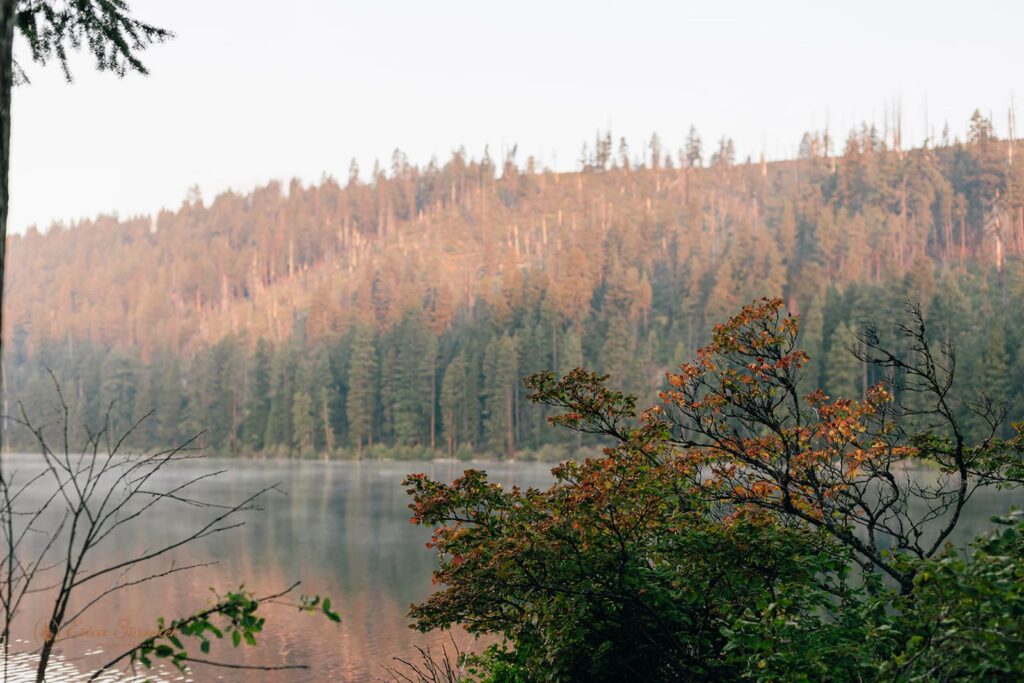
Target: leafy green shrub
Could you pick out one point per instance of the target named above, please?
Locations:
(613, 573)
(716, 540)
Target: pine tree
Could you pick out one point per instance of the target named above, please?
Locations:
(303, 422)
(199, 395)
(390, 386)
(414, 405)
(500, 382)
(257, 410)
(454, 402)
(144, 403)
(321, 387)
(724, 297)
(842, 369)
(489, 394)
(169, 403)
(694, 155)
(995, 376)
(1017, 400)
(617, 353)
(118, 384)
(362, 379)
(225, 408)
(787, 233)
(326, 422)
(812, 341)
(572, 353)
(535, 356)
(279, 418)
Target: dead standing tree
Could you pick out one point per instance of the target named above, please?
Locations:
(91, 497)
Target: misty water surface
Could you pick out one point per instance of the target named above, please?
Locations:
(343, 529)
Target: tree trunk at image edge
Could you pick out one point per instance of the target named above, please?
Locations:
(7, 21)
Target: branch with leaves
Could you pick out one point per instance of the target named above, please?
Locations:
(234, 615)
(90, 497)
(843, 465)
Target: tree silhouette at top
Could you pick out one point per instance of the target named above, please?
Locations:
(106, 28)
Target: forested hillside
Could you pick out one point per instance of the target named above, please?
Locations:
(397, 315)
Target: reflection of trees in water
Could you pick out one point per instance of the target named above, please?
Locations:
(343, 528)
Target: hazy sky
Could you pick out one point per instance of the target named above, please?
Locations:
(254, 90)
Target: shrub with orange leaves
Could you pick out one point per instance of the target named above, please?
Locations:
(618, 571)
(713, 539)
(844, 466)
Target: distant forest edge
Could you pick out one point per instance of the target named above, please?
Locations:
(396, 317)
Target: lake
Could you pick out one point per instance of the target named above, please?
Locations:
(343, 529)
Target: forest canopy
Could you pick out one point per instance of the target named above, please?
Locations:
(399, 313)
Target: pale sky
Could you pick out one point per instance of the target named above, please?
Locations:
(255, 90)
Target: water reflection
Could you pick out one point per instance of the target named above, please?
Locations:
(340, 527)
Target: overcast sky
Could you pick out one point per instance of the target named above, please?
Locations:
(255, 90)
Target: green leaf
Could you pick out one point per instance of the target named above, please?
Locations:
(163, 651)
(333, 616)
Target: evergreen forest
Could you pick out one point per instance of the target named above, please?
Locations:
(394, 313)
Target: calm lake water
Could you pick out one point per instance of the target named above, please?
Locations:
(343, 529)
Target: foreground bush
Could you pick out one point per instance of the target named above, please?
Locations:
(740, 530)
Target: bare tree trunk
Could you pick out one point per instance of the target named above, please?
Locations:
(53, 628)
(7, 20)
